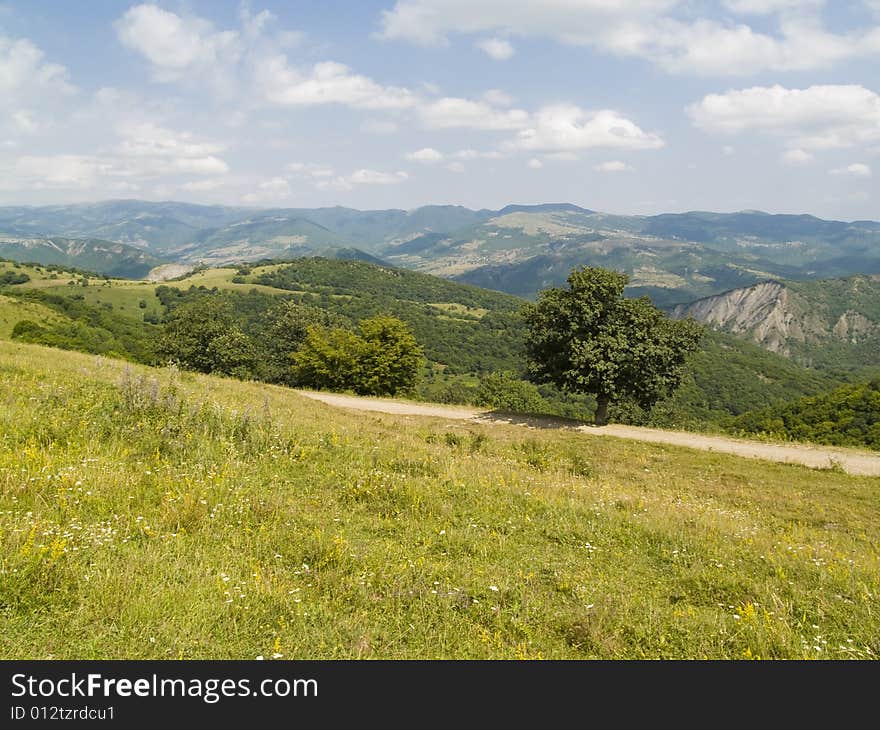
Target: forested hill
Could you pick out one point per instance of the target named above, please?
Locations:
(846, 416)
(360, 278)
(463, 328)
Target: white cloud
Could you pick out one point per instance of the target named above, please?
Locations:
(707, 47)
(272, 190)
(373, 177)
(362, 177)
(567, 128)
(24, 74)
(428, 22)
(426, 155)
(455, 167)
(451, 112)
(188, 49)
(728, 151)
(33, 90)
(276, 185)
(60, 171)
(141, 152)
(797, 157)
(177, 47)
(151, 149)
(200, 166)
(648, 29)
(612, 166)
(535, 164)
(24, 122)
(497, 97)
(326, 83)
(818, 117)
(471, 154)
(857, 169)
(145, 139)
(496, 48)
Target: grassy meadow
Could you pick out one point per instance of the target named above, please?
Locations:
(155, 514)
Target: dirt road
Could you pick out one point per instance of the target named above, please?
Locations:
(850, 460)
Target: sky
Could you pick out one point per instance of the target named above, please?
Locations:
(640, 106)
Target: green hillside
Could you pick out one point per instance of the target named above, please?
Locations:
(669, 275)
(152, 514)
(673, 258)
(156, 226)
(76, 310)
(462, 328)
(846, 416)
(261, 238)
(728, 377)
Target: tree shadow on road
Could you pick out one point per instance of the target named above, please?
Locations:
(531, 420)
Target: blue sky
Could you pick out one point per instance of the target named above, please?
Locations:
(634, 107)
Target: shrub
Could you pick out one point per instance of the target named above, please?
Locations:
(27, 330)
(10, 278)
(382, 358)
(504, 391)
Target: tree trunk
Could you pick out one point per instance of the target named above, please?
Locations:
(602, 401)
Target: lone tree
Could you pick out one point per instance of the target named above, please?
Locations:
(588, 339)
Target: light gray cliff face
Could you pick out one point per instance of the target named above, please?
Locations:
(775, 317)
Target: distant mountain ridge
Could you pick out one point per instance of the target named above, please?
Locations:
(518, 249)
(107, 257)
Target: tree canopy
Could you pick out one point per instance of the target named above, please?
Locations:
(203, 335)
(587, 338)
(381, 358)
(846, 416)
(283, 332)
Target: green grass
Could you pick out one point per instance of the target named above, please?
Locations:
(122, 297)
(222, 279)
(153, 514)
(14, 310)
(39, 276)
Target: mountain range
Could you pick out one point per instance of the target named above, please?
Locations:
(674, 258)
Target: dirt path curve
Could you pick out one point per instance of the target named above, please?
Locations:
(850, 460)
